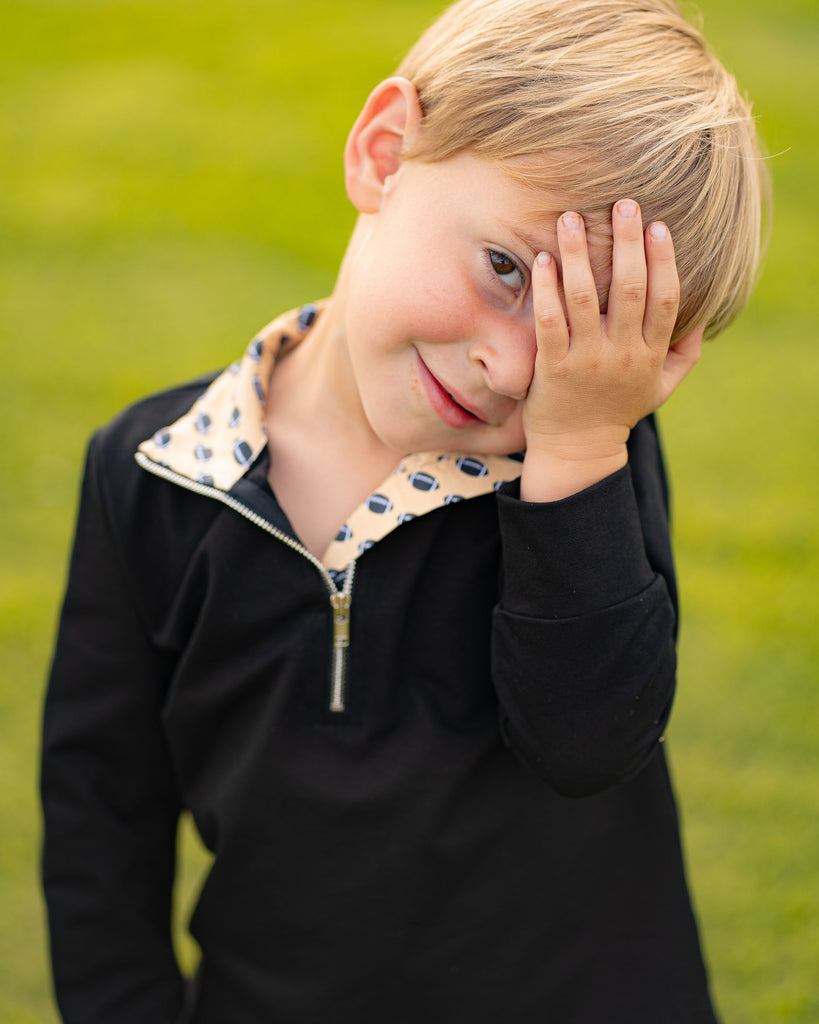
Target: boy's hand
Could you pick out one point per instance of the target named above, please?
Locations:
(596, 376)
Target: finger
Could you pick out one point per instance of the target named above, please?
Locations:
(627, 296)
(663, 293)
(682, 357)
(579, 289)
(550, 318)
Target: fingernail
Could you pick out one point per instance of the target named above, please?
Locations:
(627, 208)
(659, 231)
(544, 259)
(572, 221)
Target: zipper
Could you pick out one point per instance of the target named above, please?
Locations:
(340, 598)
(341, 601)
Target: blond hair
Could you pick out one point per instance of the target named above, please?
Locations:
(621, 98)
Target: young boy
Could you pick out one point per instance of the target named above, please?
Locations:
(389, 604)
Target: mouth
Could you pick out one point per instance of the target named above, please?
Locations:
(447, 405)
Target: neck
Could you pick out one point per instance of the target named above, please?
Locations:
(324, 456)
(313, 388)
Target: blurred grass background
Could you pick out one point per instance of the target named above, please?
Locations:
(170, 178)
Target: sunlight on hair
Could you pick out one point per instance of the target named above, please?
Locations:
(607, 99)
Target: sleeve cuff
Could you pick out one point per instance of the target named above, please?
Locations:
(566, 558)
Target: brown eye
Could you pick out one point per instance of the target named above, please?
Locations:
(507, 270)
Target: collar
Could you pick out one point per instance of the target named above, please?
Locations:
(224, 432)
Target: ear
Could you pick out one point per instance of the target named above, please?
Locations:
(391, 115)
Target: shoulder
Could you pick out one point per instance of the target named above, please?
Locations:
(140, 509)
(132, 525)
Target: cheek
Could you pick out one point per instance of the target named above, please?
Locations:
(517, 438)
(444, 306)
(507, 441)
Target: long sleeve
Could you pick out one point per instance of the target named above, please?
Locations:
(584, 653)
(109, 800)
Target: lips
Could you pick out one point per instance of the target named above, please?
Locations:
(446, 405)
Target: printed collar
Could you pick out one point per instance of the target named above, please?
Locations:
(223, 433)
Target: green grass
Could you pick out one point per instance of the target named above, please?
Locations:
(171, 179)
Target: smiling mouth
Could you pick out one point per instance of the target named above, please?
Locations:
(444, 403)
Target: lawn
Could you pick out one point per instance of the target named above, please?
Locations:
(171, 179)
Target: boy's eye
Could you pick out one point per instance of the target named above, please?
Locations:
(507, 270)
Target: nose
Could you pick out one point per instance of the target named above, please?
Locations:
(505, 353)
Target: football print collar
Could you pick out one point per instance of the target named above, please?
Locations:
(223, 433)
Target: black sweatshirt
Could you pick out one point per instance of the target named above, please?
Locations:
(481, 830)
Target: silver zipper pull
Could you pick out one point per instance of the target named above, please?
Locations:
(341, 602)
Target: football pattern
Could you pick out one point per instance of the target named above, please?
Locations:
(224, 433)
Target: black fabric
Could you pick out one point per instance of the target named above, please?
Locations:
(487, 832)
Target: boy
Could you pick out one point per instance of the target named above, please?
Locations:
(389, 605)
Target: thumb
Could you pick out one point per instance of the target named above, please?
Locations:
(680, 359)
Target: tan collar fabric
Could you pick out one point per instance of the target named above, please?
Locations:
(223, 433)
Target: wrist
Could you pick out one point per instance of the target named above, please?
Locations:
(550, 476)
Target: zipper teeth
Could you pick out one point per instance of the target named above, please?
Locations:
(347, 588)
(213, 492)
(339, 656)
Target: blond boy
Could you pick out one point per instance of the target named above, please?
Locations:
(389, 605)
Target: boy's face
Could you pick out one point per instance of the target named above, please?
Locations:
(439, 316)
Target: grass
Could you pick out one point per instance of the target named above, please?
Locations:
(171, 180)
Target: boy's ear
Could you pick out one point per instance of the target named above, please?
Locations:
(375, 144)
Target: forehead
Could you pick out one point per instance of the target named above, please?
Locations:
(550, 184)
(516, 199)
(523, 193)
(556, 181)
